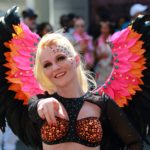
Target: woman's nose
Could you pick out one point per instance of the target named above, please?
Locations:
(56, 66)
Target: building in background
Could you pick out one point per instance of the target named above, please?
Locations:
(50, 10)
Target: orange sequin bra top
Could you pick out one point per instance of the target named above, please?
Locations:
(86, 131)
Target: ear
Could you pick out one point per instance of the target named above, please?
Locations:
(77, 59)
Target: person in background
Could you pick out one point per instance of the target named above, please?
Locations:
(67, 23)
(44, 28)
(63, 21)
(8, 140)
(29, 18)
(122, 23)
(103, 53)
(102, 14)
(137, 9)
(84, 43)
(71, 21)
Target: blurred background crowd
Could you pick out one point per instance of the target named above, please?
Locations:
(88, 24)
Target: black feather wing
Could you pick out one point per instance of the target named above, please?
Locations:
(11, 110)
(138, 109)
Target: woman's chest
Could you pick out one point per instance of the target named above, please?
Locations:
(86, 110)
(81, 126)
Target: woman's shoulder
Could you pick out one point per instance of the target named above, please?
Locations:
(98, 99)
(41, 96)
(96, 96)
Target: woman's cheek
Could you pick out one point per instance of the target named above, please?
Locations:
(71, 62)
(48, 73)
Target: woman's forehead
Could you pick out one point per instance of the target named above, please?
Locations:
(59, 49)
(50, 53)
(47, 55)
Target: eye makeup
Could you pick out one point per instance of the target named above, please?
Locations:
(61, 58)
(58, 59)
(47, 64)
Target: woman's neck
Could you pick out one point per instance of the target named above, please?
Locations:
(72, 90)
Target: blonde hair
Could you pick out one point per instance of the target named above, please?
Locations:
(54, 39)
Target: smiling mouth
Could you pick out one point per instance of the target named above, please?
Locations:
(59, 75)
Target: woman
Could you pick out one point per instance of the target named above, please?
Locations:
(104, 54)
(84, 42)
(70, 117)
(43, 28)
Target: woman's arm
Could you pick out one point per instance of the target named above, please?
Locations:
(32, 109)
(122, 126)
(41, 108)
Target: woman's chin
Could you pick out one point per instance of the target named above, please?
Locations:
(62, 84)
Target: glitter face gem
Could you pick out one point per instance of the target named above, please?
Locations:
(60, 48)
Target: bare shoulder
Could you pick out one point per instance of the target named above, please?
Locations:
(97, 99)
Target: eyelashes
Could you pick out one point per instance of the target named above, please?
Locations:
(61, 58)
(47, 65)
(58, 59)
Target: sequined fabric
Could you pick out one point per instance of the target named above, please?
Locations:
(89, 129)
(51, 133)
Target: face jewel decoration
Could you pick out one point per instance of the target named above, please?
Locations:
(50, 133)
(60, 48)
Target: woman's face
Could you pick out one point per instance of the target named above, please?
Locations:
(79, 25)
(59, 66)
(105, 29)
(47, 29)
